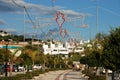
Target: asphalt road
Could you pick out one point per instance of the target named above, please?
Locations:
(62, 75)
(57, 75)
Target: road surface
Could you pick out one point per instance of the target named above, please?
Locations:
(62, 75)
(57, 75)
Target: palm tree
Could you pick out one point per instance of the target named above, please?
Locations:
(32, 52)
(2, 55)
(13, 58)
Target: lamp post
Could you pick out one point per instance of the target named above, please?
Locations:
(6, 59)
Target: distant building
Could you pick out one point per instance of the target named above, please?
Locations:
(3, 33)
(12, 48)
(60, 48)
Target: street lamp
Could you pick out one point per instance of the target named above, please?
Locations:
(6, 58)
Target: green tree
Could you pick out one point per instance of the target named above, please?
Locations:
(31, 51)
(4, 54)
(56, 60)
(26, 60)
(75, 56)
(111, 51)
(13, 58)
(92, 59)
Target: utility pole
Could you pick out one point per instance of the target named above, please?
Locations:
(24, 24)
(96, 16)
(6, 60)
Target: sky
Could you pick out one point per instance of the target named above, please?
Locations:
(83, 19)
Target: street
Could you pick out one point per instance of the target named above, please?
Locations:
(57, 75)
(62, 75)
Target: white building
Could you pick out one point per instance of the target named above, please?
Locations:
(46, 49)
(79, 49)
(3, 33)
(60, 48)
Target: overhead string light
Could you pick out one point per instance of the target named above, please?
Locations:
(63, 32)
(60, 19)
(83, 24)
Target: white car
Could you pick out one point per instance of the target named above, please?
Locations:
(37, 67)
(21, 68)
(109, 71)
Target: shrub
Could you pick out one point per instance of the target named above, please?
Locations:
(28, 75)
(25, 76)
(92, 76)
(10, 78)
(97, 78)
(35, 73)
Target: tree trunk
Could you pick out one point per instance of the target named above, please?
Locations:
(106, 74)
(28, 68)
(113, 75)
(33, 66)
(54, 65)
(11, 67)
(97, 71)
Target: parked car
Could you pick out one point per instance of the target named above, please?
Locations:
(109, 71)
(21, 68)
(37, 67)
(15, 67)
(2, 68)
(8, 68)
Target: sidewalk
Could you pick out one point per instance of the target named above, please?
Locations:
(13, 73)
(75, 75)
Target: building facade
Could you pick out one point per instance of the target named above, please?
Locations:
(60, 48)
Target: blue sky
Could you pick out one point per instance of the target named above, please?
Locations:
(39, 17)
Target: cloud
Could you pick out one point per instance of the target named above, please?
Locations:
(10, 30)
(2, 22)
(72, 13)
(17, 6)
(8, 6)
